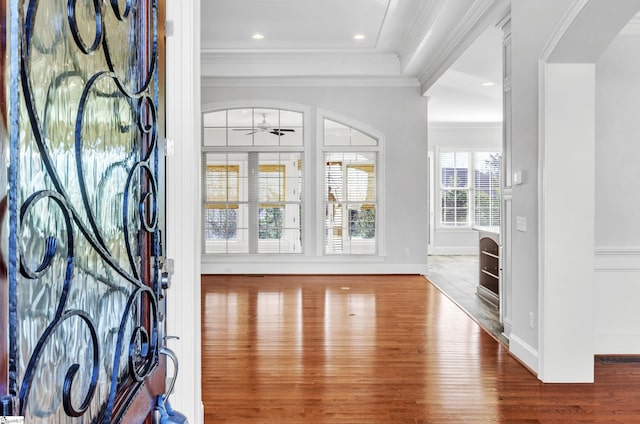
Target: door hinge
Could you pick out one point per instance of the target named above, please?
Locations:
(169, 28)
(169, 146)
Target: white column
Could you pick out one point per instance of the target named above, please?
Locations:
(567, 222)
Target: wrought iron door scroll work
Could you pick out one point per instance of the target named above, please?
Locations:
(85, 211)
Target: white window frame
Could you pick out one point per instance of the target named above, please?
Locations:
(307, 221)
(471, 184)
(321, 115)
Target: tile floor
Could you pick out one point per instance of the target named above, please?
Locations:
(457, 277)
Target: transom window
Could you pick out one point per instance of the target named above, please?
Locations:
(253, 127)
(252, 181)
(350, 161)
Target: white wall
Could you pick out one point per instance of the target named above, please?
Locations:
(566, 344)
(399, 113)
(463, 136)
(532, 24)
(617, 205)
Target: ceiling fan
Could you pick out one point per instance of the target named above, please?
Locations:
(263, 127)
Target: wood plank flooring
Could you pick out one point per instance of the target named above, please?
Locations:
(376, 349)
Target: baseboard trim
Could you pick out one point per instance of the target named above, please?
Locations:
(524, 353)
(303, 268)
(453, 250)
(617, 342)
(506, 323)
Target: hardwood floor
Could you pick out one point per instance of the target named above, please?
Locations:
(376, 349)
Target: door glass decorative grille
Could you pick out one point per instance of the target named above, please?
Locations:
(85, 209)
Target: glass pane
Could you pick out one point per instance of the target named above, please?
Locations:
(292, 138)
(291, 241)
(270, 222)
(215, 119)
(454, 168)
(336, 134)
(240, 136)
(220, 222)
(215, 137)
(240, 118)
(362, 139)
(90, 218)
(240, 131)
(362, 221)
(290, 119)
(266, 138)
(240, 243)
(291, 128)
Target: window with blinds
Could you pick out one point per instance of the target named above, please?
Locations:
(252, 186)
(350, 190)
(486, 184)
(469, 189)
(455, 188)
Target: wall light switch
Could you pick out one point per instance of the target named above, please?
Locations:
(517, 178)
(521, 224)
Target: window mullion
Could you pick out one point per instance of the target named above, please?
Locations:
(253, 190)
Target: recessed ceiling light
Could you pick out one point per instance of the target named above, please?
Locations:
(358, 37)
(257, 36)
(488, 84)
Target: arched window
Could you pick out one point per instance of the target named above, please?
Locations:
(351, 200)
(252, 161)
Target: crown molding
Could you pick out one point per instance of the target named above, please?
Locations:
(477, 18)
(292, 63)
(446, 125)
(310, 81)
(632, 28)
(424, 17)
(208, 55)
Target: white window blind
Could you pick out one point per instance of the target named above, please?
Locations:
(454, 180)
(469, 189)
(486, 184)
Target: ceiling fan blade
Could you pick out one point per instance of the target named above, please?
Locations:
(274, 132)
(284, 129)
(252, 132)
(241, 129)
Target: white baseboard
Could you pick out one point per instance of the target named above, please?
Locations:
(617, 285)
(506, 324)
(312, 268)
(617, 342)
(453, 250)
(524, 352)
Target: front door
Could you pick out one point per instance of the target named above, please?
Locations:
(82, 210)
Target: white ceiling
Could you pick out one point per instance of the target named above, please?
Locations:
(305, 24)
(292, 24)
(407, 42)
(462, 93)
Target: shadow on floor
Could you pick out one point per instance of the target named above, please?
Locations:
(457, 277)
